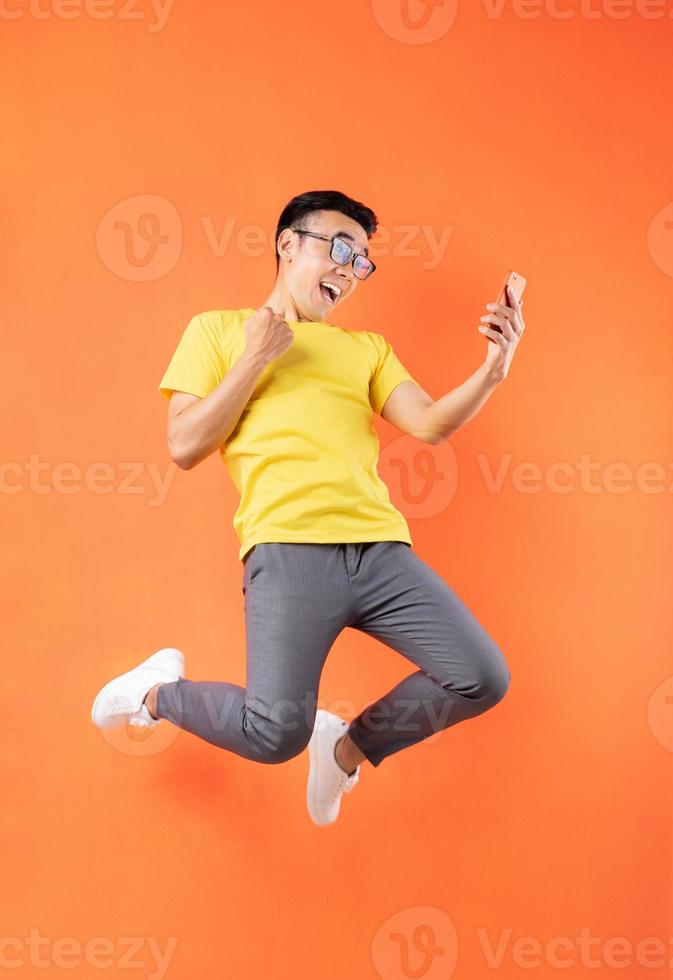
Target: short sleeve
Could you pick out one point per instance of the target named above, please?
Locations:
(199, 362)
(388, 373)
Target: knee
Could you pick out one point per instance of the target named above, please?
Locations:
(278, 743)
(499, 685)
(494, 684)
(489, 684)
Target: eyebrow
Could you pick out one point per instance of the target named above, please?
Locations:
(347, 234)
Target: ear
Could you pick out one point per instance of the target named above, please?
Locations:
(286, 244)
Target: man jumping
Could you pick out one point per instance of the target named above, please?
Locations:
(286, 397)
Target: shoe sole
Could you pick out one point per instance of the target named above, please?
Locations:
(169, 659)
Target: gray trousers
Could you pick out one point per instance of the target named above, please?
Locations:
(298, 598)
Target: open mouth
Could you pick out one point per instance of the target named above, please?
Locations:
(329, 291)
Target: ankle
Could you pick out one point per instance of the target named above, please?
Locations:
(348, 765)
(150, 700)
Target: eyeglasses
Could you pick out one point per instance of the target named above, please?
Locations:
(342, 253)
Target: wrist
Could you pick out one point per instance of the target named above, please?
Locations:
(254, 359)
(492, 376)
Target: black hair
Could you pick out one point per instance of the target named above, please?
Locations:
(295, 214)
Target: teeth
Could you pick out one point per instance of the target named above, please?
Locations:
(332, 287)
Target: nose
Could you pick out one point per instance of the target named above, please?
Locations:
(344, 273)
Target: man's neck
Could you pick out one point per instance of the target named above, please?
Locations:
(284, 306)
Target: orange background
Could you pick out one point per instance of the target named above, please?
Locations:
(544, 145)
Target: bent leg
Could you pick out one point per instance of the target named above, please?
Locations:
(294, 610)
(462, 672)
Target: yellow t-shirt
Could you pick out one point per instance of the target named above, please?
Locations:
(303, 454)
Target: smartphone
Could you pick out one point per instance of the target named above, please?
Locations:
(519, 284)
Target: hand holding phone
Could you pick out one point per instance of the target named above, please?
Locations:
(499, 354)
(518, 283)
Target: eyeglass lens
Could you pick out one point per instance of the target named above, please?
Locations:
(342, 253)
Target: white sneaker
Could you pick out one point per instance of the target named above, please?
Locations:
(120, 701)
(326, 779)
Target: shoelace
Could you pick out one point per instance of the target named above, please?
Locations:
(120, 708)
(148, 722)
(141, 718)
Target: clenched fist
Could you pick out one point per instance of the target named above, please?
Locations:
(267, 334)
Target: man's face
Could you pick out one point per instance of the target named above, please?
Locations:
(311, 263)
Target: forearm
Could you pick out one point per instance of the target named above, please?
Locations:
(461, 404)
(203, 426)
